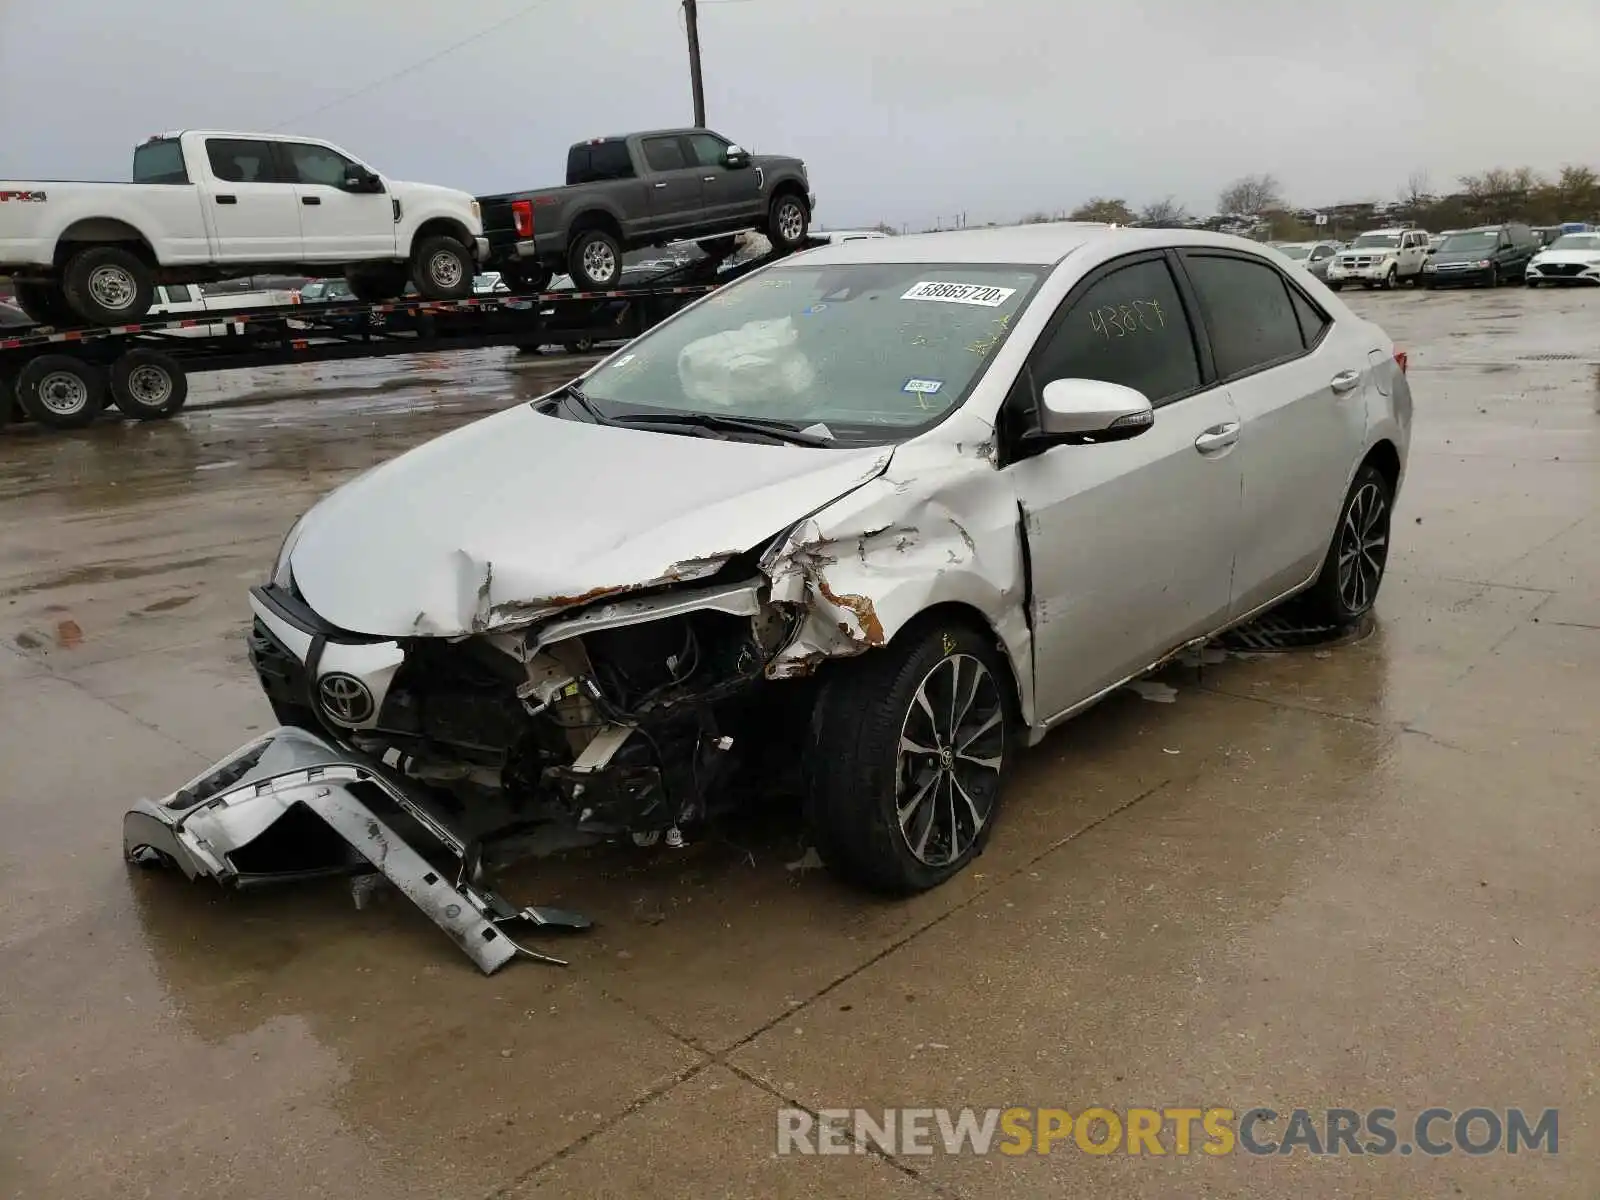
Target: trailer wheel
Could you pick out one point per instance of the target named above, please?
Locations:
(526, 281)
(375, 283)
(45, 303)
(107, 285)
(594, 260)
(441, 267)
(148, 385)
(61, 392)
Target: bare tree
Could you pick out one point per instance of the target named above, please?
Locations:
(1417, 191)
(1251, 196)
(1101, 209)
(1166, 211)
(1578, 191)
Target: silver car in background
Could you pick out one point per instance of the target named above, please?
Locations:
(883, 513)
(1312, 256)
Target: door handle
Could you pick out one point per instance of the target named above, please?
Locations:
(661, 185)
(310, 199)
(1344, 381)
(1218, 437)
(708, 179)
(227, 199)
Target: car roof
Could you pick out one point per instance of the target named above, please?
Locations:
(1042, 245)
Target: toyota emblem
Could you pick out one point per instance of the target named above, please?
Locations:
(345, 699)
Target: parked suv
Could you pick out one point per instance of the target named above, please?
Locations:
(1381, 258)
(1489, 255)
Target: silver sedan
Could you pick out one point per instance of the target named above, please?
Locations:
(884, 512)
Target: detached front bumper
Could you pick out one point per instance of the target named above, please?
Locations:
(292, 805)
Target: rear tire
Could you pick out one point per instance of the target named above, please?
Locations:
(148, 385)
(376, 283)
(1353, 570)
(526, 281)
(788, 221)
(442, 269)
(107, 285)
(878, 752)
(45, 303)
(61, 392)
(594, 260)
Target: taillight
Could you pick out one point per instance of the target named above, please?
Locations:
(1401, 360)
(522, 216)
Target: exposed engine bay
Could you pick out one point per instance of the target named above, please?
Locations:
(600, 722)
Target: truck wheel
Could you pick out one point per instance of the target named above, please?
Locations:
(788, 221)
(45, 303)
(148, 385)
(376, 282)
(61, 391)
(526, 281)
(1391, 280)
(107, 285)
(441, 268)
(594, 260)
(909, 747)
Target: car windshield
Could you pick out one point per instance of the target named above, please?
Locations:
(873, 351)
(1577, 241)
(1483, 239)
(1296, 252)
(1376, 241)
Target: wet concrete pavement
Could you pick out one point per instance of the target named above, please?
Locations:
(1360, 876)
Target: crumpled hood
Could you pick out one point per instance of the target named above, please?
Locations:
(521, 513)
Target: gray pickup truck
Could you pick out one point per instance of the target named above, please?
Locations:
(642, 189)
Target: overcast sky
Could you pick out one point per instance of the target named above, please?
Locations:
(904, 110)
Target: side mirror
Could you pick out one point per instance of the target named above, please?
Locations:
(735, 157)
(1433, 249)
(358, 179)
(1092, 410)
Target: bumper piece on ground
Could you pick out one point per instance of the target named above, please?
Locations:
(291, 805)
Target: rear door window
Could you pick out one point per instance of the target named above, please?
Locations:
(241, 160)
(664, 154)
(160, 161)
(1248, 312)
(1128, 327)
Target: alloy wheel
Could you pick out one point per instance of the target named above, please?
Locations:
(947, 770)
(1363, 548)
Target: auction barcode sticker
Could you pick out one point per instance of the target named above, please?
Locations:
(960, 293)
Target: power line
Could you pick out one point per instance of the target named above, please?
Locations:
(415, 66)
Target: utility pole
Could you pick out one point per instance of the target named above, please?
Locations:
(691, 19)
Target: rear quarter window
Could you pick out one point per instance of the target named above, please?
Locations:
(1248, 312)
(160, 162)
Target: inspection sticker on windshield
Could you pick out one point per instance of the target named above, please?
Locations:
(960, 293)
(922, 387)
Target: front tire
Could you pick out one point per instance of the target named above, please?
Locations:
(148, 385)
(61, 391)
(526, 281)
(788, 222)
(1336, 285)
(1347, 587)
(1391, 280)
(909, 746)
(442, 267)
(107, 285)
(1494, 277)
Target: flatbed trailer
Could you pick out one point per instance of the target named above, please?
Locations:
(64, 378)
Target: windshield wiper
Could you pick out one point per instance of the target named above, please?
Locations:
(783, 431)
(575, 393)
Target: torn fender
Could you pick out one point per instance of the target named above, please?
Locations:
(866, 565)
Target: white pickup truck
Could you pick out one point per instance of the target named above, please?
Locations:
(206, 206)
